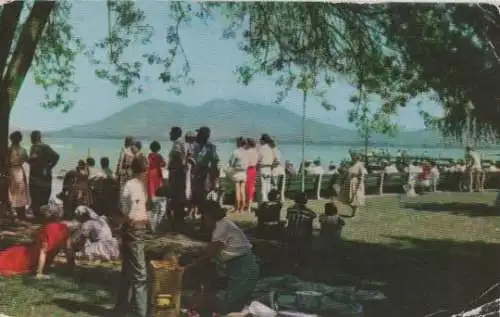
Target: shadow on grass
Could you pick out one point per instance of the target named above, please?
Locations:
(76, 307)
(419, 276)
(468, 209)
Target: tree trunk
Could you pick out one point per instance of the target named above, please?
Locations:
(4, 132)
(24, 53)
(18, 67)
(8, 24)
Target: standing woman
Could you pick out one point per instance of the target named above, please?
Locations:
(42, 160)
(18, 185)
(265, 164)
(253, 159)
(238, 163)
(123, 172)
(156, 163)
(353, 187)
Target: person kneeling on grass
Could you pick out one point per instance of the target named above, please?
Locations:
(232, 253)
(300, 230)
(35, 257)
(95, 236)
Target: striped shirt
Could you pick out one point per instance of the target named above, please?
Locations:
(300, 221)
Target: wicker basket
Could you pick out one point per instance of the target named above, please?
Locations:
(166, 288)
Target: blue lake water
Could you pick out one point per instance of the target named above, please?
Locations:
(71, 150)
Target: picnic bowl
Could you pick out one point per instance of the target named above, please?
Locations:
(308, 300)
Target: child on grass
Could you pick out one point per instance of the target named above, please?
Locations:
(300, 229)
(268, 216)
(331, 228)
(269, 206)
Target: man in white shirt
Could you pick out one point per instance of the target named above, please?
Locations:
(132, 295)
(234, 258)
(266, 160)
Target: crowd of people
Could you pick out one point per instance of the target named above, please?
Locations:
(75, 221)
(70, 223)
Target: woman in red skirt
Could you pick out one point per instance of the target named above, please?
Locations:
(155, 166)
(252, 159)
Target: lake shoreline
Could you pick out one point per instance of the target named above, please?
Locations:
(355, 144)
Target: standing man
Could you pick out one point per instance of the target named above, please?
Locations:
(132, 295)
(266, 159)
(42, 160)
(474, 168)
(177, 176)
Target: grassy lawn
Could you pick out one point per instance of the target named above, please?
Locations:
(425, 253)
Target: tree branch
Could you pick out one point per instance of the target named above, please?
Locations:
(8, 22)
(24, 52)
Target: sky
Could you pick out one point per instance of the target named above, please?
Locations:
(213, 61)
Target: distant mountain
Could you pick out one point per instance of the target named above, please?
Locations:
(153, 119)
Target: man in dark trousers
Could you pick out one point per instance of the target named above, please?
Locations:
(42, 159)
(177, 176)
(132, 299)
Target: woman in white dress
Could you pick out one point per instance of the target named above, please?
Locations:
(238, 163)
(96, 237)
(353, 187)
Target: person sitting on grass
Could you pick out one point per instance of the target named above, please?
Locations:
(35, 257)
(331, 227)
(272, 206)
(300, 229)
(232, 253)
(95, 237)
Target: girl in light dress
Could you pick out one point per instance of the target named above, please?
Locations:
(18, 185)
(238, 162)
(352, 191)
